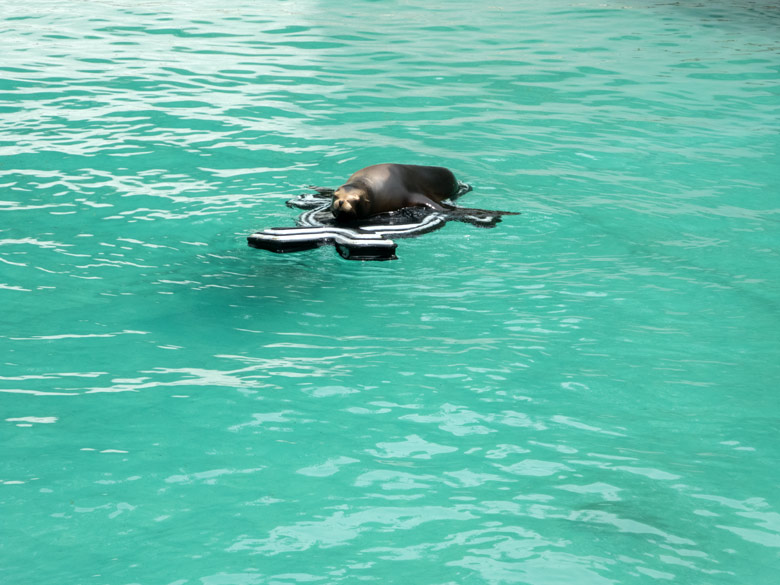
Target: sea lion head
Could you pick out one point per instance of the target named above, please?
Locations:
(350, 202)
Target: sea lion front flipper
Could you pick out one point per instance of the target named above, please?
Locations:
(326, 191)
(420, 200)
(312, 200)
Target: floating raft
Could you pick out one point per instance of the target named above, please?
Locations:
(364, 240)
(351, 244)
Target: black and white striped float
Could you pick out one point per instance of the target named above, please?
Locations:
(368, 239)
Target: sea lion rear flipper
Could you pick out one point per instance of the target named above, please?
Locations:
(478, 217)
(462, 189)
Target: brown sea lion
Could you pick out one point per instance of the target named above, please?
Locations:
(390, 187)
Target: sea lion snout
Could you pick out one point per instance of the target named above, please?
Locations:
(341, 205)
(342, 208)
(346, 203)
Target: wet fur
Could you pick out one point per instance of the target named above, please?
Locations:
(390, 187)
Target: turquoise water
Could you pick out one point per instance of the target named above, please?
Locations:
(585, 394)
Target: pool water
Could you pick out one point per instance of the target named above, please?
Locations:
(586, 394)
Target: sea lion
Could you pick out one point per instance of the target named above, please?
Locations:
(390, 187)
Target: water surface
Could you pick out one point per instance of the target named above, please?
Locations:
(585, 394)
